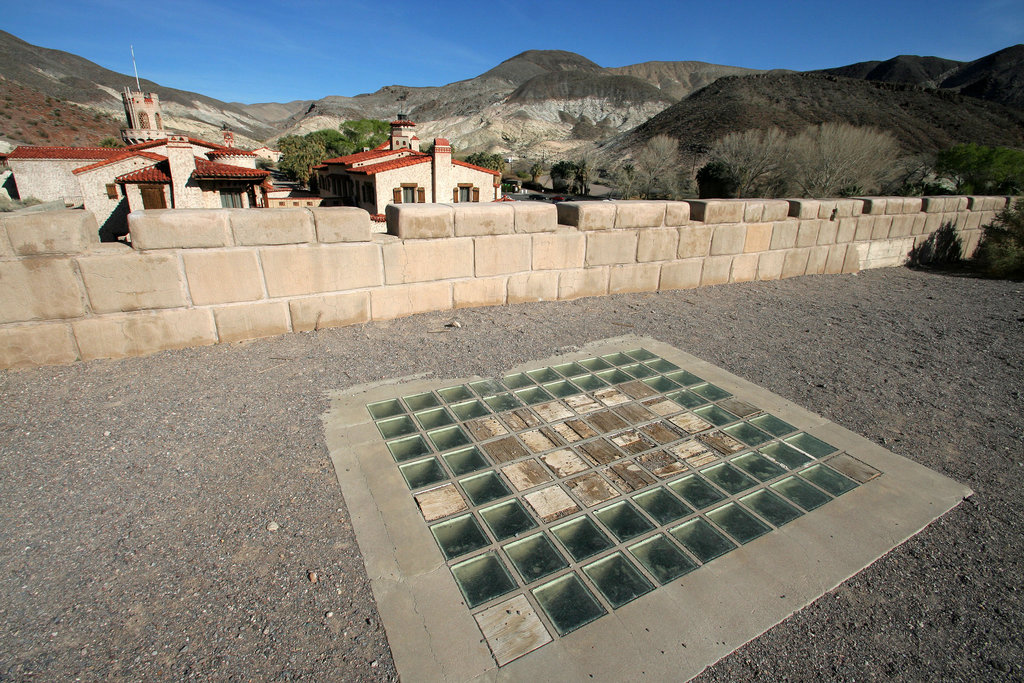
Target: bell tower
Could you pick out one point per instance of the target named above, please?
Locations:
(145, 121)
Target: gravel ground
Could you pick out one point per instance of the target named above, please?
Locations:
(177, 516)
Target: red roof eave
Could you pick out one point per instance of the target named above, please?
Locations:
(475, 167)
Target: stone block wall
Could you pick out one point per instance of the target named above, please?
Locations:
(203, 276)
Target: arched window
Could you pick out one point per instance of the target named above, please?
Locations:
(159, 121)
(143, 120)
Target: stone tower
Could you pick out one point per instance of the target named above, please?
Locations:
(145, 122)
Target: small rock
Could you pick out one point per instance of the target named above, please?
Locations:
(373, 664)
(329, 615)
(312, 576)
(454, 323)
(273, 526)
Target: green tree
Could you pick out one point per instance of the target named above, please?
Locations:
(495, 162)
(977, 169)
(111, 143)
(536, 170)
(299, 154)
(1001, 251)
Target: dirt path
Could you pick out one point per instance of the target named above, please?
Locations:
(138, 494)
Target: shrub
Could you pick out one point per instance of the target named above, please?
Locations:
(1001, 251)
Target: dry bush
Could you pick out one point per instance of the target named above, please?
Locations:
(754, 160)
(834, 159)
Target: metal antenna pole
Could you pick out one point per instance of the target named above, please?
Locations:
(137, 84)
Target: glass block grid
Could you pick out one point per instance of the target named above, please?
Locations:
(585, 485)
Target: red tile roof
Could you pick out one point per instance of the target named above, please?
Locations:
(378, 218)
(403, 122)
(366, 156)
(230, 152)
(211, 169)
(478, 168)
(120, 157)
(84, 153)
(372, 169)
(150, 174)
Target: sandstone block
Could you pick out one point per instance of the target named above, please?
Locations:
(180, 228)
(902, 225)
(272, 226)
(299, 270)
(694, 241)
(490, 291)
(958, 203)
(657, 244)
(835, 259)
(484, 219)
(398, 301)
(607, 248)
(784, 234)
(807, 233)
(851, 264)
(827, 230)
(973, 220)
(420, 221)
(717, 210)
(641, 277)
(920, 220)
(341, 224)
(139, 334)
(912, 204)
(795, 263)
(753, 209)
(132, 282)
(873, 206)
(251, 321)
(502, 254)
(932, 222)
(559, 250)
(758, 238)
(848, 229)
(816, 258)
(803, 209)
(682, 274)
(574, 284)
(769, 265)
(677, 213)
(887, 253)
(774, 210)
(846, 208)
(329, 310)
(728, 239)
(744, 268)
(587, 215)
(969, 243)
(535, 217)
(39, 289)
(881, 227)
(828, 209)
(27, 346)
(536, 286)
(427, 260)
(49, 232)
(933, 204)
(639, 214)
(220, 277)
(717, 270)
(866, 227)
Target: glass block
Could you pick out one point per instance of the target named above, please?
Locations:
(465, 461)
(728, 478)
(801, 493)
(662, 558)
(716, 415)
(738, 523)
(459, 536)
(433, 418)
(623, 520)
(684, 378)
(568, 603)
(396, 426)
(614, 376)
(382, 409)
(488, 387)
(534, 557)
(748, 434)
(710, 391)
(408, 448)
(561, 388)
(593, 364)
(482, 578)
(483, 488)
(459, 393)
(617, 359)
(581, 538)
(828, 479)
(516, 381)
(757, 466)
(641, 354)
(787, 456)
(662, 505)
(696, 491)
(773, 425)
(423, 473)
(543, 375)
(421, 401)
(810, 445)
(589, 382)
(502, 402)
(661, 384)
(448, 438)
(638, 370)
(617, 579)
(701, 539)
(533, 395)
(662, 365)
(467, 410)
(771, 507)
(570, 369)
(687, 399)
(507, 519)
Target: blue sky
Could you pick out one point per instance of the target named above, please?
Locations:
(255, 51)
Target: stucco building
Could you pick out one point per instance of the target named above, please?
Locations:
(397, 172)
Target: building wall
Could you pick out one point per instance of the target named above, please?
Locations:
(484, 181)
(111, 214)
(48, 180)
(196, 277)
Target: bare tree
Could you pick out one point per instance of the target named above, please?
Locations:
(656, 164)
(839, 158)
(754, 159)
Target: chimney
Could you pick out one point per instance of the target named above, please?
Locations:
(182, 162)
(441, 171)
